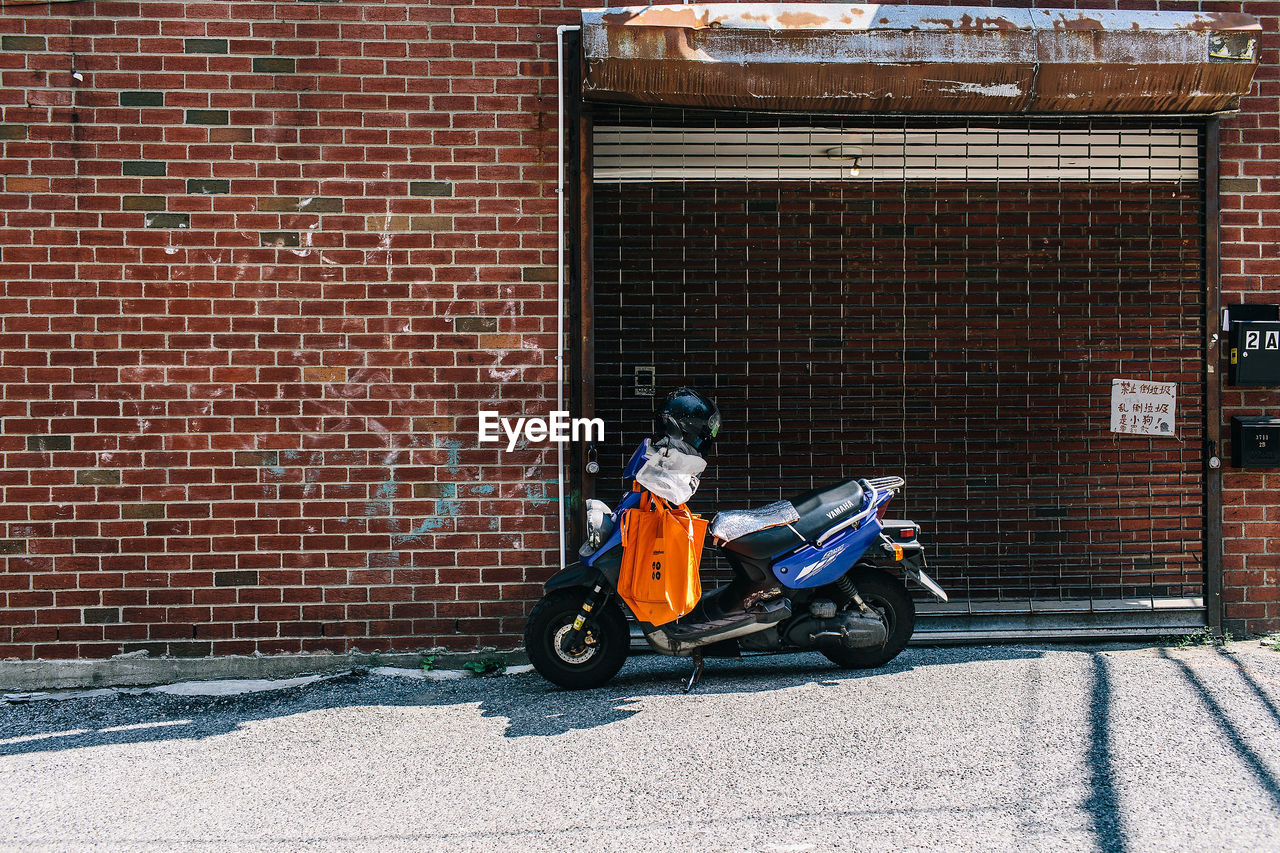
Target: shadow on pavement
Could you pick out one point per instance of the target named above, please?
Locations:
(1102, 805)
(531, 706)
(1232, 734)
(1254, 686)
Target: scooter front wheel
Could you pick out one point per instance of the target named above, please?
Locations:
(889, 597)
(598, 658)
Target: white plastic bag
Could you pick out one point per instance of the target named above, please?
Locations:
(670, 474)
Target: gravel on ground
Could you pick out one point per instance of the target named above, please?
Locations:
(1018, 747)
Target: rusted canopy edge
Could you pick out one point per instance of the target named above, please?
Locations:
(935, 59)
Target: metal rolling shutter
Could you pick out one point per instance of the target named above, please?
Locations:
(954, 314)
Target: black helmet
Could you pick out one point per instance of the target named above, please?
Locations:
(689, 417)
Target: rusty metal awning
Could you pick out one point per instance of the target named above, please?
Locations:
(918, 59)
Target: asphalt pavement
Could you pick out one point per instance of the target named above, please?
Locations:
(970, 748)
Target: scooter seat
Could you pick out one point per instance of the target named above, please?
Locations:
(736, 523)
(818, 510)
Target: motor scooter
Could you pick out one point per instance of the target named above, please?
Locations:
(819, 572)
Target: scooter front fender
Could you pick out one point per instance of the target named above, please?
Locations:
(574, 574)
(605, 572)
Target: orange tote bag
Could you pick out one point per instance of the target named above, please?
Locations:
(662, 548)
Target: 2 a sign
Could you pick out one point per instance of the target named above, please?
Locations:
(1255, 353)
(1253, 339)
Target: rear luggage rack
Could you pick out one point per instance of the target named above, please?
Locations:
(871, 488)
(880, 483)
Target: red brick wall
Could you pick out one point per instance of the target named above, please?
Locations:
(261, 266)
(1250, 200)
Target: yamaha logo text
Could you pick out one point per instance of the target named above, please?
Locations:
(844, 506)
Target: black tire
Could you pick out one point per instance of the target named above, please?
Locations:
(888, 595)
(606, 649)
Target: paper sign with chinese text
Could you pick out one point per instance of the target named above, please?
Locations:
(1141, 407)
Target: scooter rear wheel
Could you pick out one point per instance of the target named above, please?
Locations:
(889, 596)
(601, 655)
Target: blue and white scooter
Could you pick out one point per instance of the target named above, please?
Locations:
(820, 572)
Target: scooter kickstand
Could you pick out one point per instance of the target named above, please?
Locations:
(695, 677)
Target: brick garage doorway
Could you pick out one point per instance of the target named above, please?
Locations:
(954, 313)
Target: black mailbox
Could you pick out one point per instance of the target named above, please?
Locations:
(1255, 345)
(1255, 442)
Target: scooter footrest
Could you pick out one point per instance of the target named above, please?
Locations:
(765, 613)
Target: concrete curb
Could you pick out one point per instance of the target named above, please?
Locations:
(29, 675)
